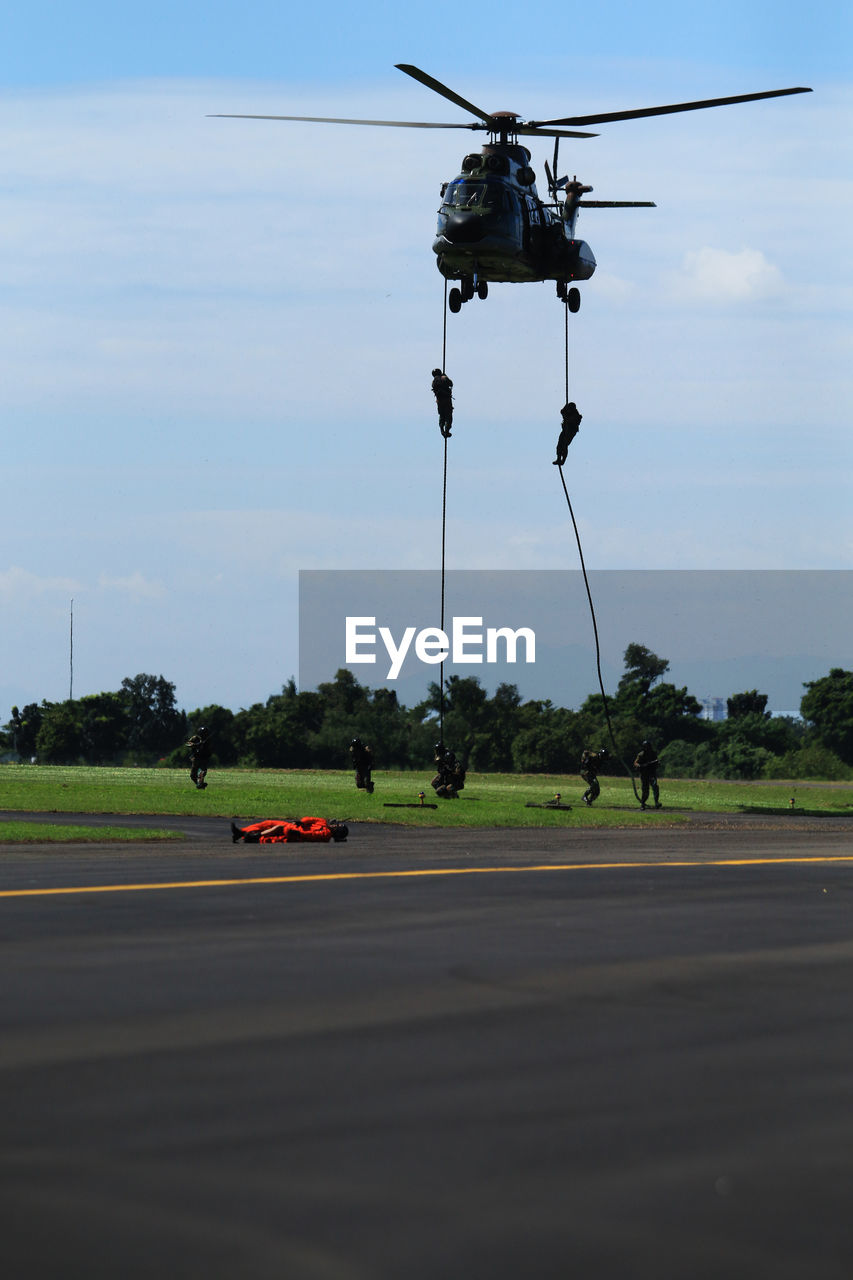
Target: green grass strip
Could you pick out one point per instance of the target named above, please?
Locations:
(489, 799)
(54, 833)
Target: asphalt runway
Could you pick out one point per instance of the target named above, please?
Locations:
(430, 1054)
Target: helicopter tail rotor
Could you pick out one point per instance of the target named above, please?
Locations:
(554, 184)
(552, 177)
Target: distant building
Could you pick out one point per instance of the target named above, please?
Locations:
(713, 708)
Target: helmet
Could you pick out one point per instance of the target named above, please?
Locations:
(436, 373)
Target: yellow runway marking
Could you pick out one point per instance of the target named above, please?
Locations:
(320, 877)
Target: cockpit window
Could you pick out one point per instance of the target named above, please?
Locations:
(474, 195)
(464, 195)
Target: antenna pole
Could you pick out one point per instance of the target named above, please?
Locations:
(71, 655)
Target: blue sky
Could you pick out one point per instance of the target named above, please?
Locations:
(217, 334)
(73, 42)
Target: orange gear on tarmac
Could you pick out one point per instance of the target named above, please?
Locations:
(288, 831)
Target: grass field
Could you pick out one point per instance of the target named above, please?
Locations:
(55, 833)
(489, 800)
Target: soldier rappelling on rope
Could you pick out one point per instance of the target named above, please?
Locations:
(571, 420)
(442, 388)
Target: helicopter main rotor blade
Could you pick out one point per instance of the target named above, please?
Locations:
(438, 87)
(617, 204)
(668, 110)
(403, 124)
(396, 124)
(539, 131)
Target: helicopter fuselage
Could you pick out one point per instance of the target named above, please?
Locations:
(492, 225)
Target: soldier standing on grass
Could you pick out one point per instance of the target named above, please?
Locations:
(647, 764)
(591, 762)
(199, 745)
(362, 759)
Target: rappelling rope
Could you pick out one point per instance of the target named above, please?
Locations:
(589, 592)
(444, 332)
(566, 313)
(443, 524)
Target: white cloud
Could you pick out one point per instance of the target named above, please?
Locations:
(19, 585)
(614, 289)
(726, 276)
(135, 585)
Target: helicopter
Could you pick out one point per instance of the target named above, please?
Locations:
(492, 225)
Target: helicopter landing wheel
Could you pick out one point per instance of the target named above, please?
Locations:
(482, 289)
(574, 300)
(454, 300)
(467, 286)
(561, 290)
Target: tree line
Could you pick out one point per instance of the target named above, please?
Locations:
(141, 724)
